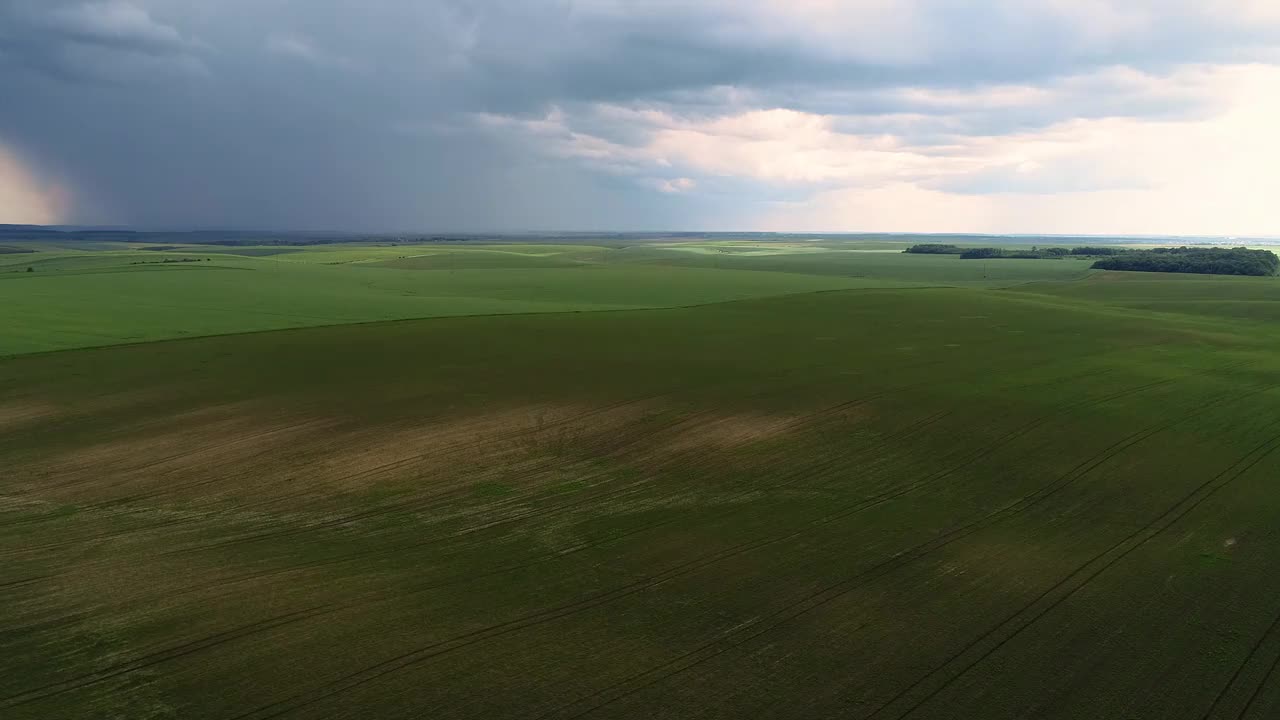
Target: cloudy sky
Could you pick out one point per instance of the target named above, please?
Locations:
(1057, 116)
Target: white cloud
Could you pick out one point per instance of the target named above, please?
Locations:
(1212, 176)
(1190, 172)
(772, 146)
(783, 146)
(674, 185)
(952, 133)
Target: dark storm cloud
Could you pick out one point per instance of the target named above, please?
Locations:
(90, 41)
(119, 26)
(336, 113)
(296, 120)
(520, 57)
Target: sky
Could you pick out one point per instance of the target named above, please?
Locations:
(1000, 116)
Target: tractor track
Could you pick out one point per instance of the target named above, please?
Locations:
(1135, 540)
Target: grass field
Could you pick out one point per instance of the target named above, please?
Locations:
(879, 486)
(80, 298)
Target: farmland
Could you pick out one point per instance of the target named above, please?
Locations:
(118, 292)
(667, 480)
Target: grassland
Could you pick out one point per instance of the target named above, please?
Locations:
(120, 293)
(933, 496)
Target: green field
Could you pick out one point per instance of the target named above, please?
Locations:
(78, 298)
(718, 480)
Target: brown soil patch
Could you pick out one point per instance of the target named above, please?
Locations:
(515, 445)
(261, 459)
(719, 432)
(241, 451)
(732, 431)
(14, 415)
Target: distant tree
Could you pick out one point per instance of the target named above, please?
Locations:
(1204, 261)
(1086, 250)
(933, 249)
(982, 253)
(993, 253)
(30, 269)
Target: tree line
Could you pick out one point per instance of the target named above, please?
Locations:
(933, 249)
(1034, 253)
(986, 253)
(1203, 261)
